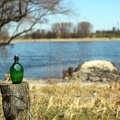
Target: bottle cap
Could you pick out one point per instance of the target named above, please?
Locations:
(16, 57)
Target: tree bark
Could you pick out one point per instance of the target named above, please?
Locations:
(4, 43)
(15, 101)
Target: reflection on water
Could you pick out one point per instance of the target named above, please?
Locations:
(47, 59)
(3, 53)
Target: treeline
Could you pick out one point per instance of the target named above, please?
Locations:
(63, 30)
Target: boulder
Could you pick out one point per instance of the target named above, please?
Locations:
(95, 71)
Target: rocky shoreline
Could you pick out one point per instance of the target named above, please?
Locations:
(94, 71)
(87, 73)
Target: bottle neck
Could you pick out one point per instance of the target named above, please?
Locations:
(16, 60)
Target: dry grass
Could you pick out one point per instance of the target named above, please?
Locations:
(75, 102)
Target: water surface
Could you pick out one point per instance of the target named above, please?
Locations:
(48, 59)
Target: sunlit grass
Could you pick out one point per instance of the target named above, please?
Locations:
(75, 102)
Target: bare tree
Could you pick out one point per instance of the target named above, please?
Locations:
(66, 29)
(22, 15)
(63, 29)
(4, 34)
(40, 33)
(84, 29)
(56, 29)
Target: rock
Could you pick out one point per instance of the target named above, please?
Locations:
(7, 77)
(96, 71)
(100, 64)
(68, 73)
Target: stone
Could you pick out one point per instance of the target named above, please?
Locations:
(7, 77)
(95, 71)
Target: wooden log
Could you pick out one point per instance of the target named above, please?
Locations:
(15, 101)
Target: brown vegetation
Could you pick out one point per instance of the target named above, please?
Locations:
(63, 30)
(75, 102)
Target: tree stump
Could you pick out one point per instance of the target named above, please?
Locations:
(15, 101)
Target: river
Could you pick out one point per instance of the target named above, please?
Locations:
(49, 59)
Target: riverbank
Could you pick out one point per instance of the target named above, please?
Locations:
(60, 82)
(66, 40)
(96, 72)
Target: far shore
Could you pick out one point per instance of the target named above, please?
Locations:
(66, 40)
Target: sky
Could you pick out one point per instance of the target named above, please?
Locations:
(102, 14)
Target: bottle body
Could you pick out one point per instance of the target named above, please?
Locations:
(16, 72)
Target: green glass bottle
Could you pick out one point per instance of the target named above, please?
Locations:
(16, 71)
